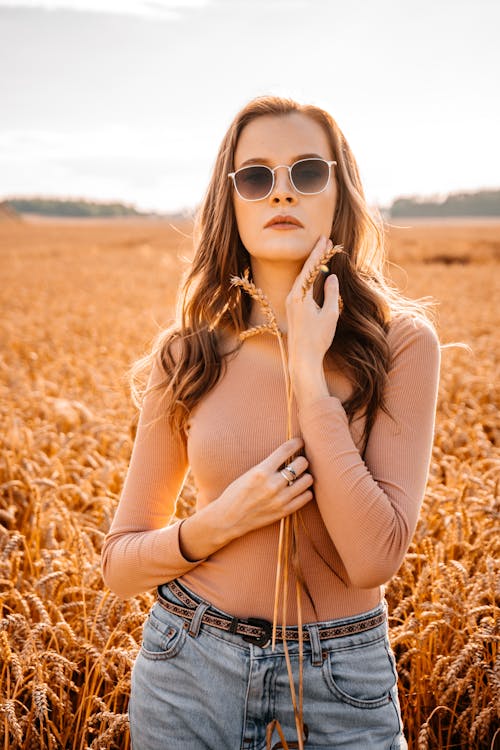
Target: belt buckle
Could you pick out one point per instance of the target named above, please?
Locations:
(264, 639)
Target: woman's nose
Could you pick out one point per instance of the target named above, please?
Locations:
(283, 188)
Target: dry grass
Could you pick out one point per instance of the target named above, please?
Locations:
(79, 302)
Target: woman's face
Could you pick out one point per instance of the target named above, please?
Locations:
(283, 139)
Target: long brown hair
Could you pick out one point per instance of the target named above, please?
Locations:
(188, 351)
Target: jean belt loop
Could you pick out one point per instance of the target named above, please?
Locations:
(316, 653)
(194, 628)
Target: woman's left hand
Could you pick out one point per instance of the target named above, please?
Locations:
(311, 328)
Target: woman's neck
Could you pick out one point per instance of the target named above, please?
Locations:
(275, 281)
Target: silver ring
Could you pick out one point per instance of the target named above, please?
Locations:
(291, 471)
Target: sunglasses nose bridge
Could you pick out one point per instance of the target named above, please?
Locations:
(283, 182)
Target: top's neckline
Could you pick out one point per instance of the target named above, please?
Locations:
(265, 335)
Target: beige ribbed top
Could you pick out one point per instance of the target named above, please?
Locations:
(363, 514)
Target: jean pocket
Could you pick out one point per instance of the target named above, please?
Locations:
(361, 675)
(163, 635)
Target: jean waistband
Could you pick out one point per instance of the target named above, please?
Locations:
(257, 630)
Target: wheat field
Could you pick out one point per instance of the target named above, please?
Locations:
(80, 300)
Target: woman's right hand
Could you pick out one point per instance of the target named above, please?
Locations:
(262, 495)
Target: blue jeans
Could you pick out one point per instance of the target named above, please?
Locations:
(215, 691)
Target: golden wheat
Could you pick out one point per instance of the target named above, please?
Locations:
(321, 265)
(80, 301)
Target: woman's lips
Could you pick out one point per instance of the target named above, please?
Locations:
(284, 221)
(283, 225)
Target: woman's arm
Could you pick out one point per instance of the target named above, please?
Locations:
(371, 509)
(141, 550)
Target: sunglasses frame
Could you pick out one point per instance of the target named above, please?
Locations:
(287, 166)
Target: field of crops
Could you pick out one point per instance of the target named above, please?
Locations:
(79, 302)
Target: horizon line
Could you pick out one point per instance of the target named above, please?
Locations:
(436, 197)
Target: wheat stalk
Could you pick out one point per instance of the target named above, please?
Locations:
(271, 326)
(287, 529)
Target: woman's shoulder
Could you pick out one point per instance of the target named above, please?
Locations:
(411, 329)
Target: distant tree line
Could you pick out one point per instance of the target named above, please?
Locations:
(480, 203)
(74, 208)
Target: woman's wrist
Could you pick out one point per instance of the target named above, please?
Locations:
(200, 535)
(309, 385)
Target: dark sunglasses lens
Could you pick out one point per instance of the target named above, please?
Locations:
(310, 175)
(254, 182)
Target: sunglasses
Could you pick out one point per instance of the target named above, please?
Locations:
(308, 176)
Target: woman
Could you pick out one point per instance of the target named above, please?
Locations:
(362, 367)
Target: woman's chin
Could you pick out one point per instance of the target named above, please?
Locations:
(287, 245)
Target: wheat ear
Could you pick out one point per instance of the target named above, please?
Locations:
(320, 266)
(255, 330)
(259, 296)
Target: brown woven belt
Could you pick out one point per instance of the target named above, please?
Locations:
(258, 631)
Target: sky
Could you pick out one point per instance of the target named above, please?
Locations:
(129, 100)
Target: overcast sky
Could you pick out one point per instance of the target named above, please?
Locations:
(129, 99)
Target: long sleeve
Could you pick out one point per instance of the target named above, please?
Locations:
(141, 550)
(370, 508)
